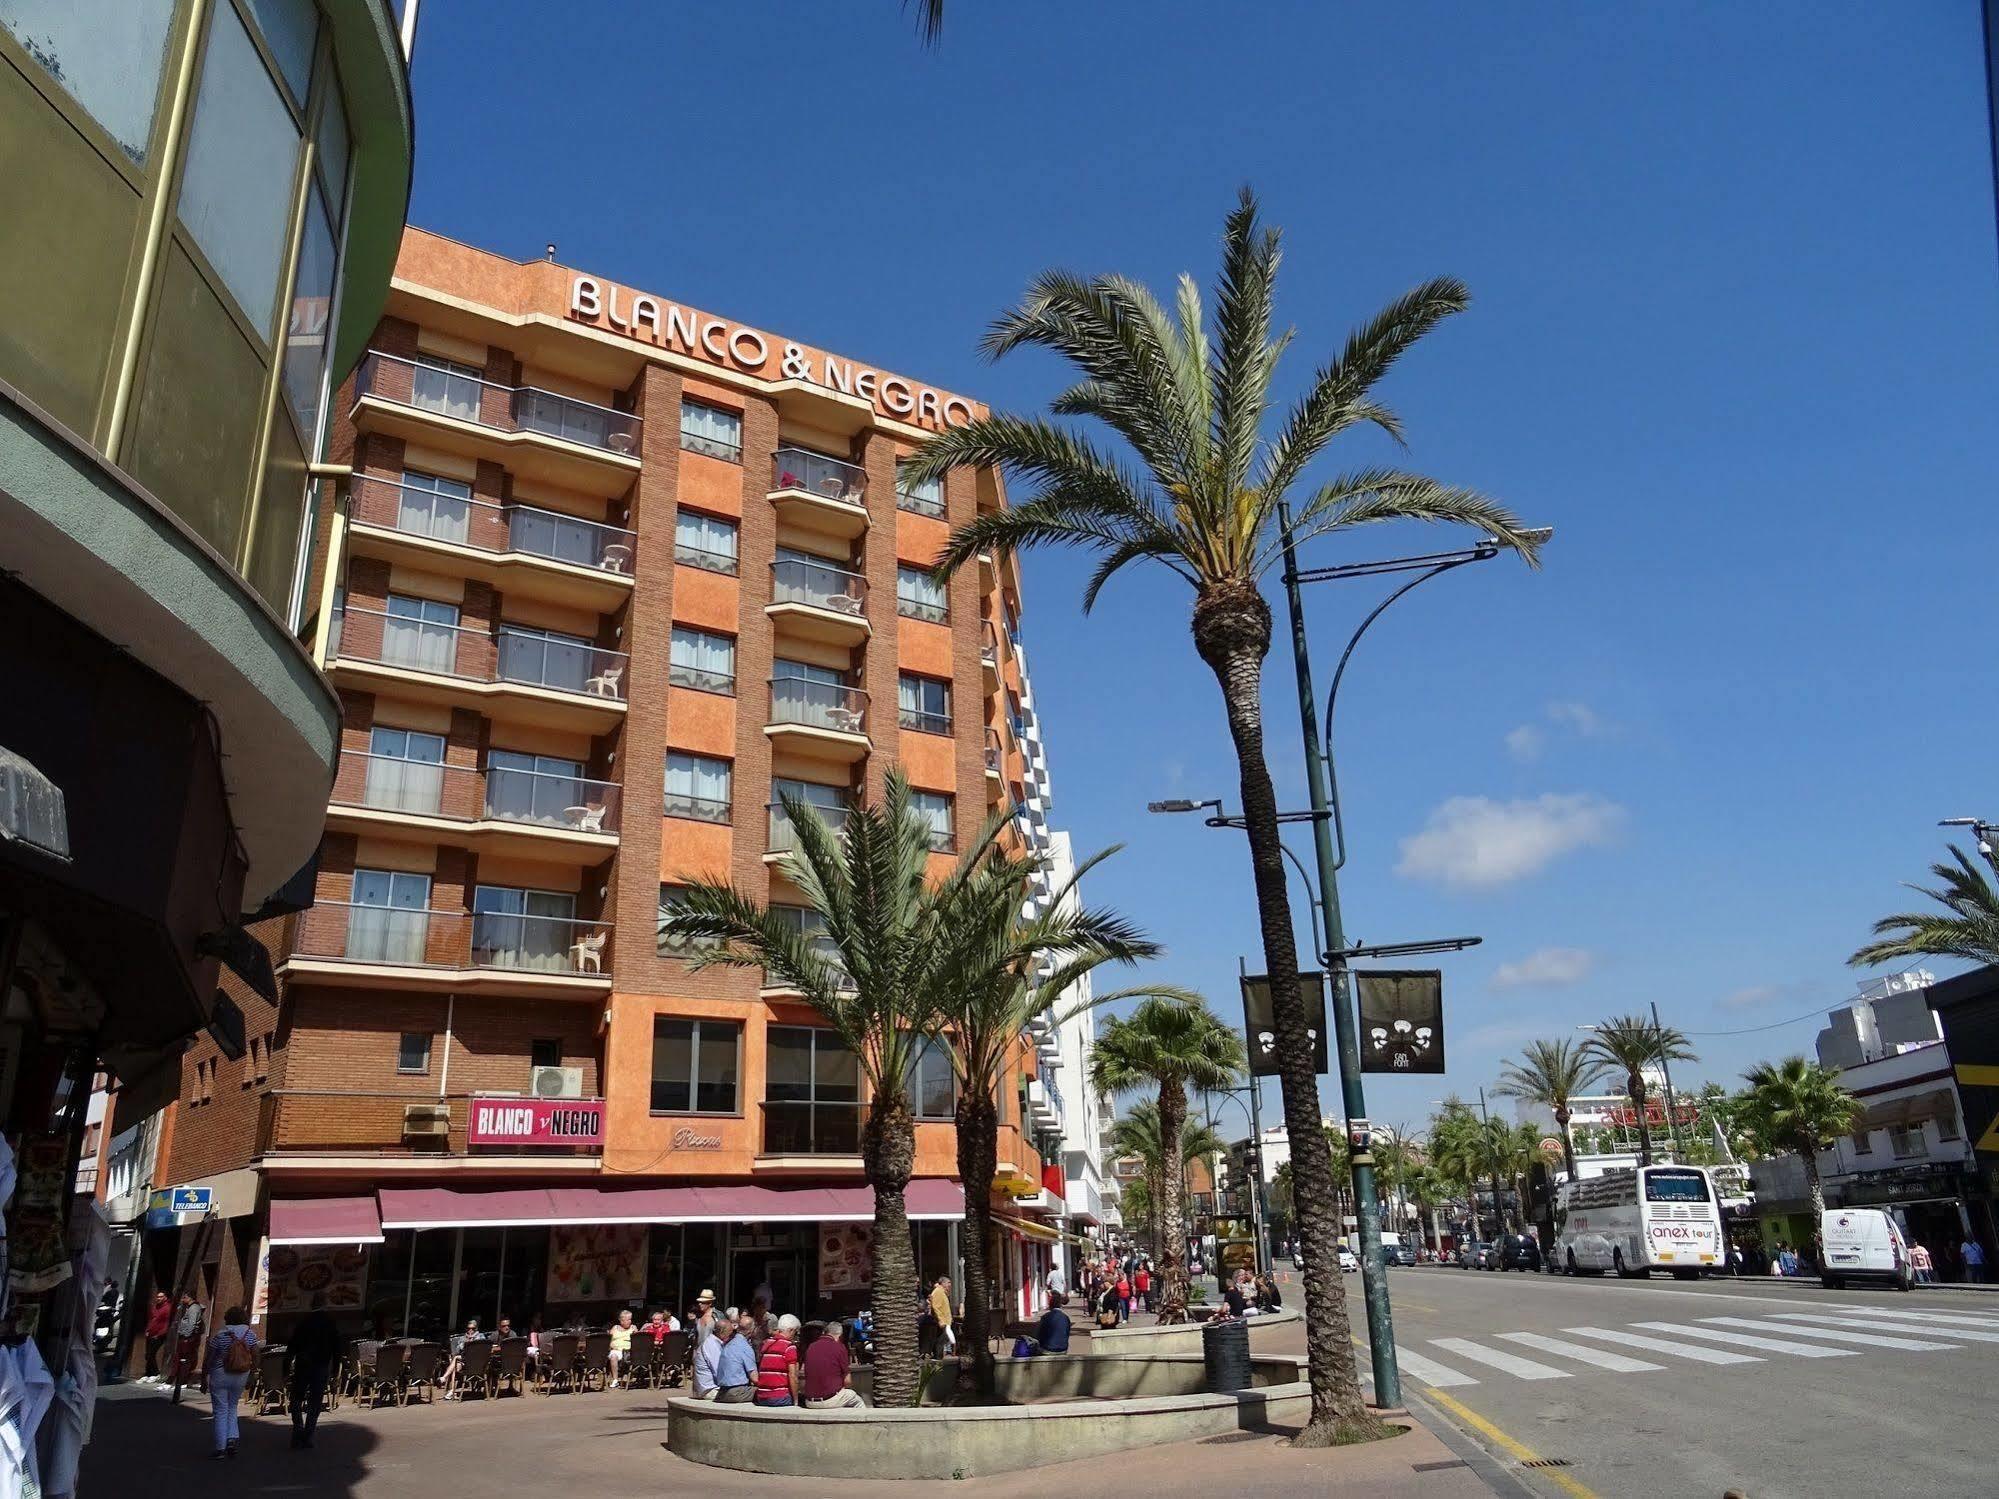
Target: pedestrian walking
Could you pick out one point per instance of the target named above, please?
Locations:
(940, 1309)
(232, 1354)
(159, 1323)
(1921, 1263)
(1974, 1261)
(1142, 1283)
(1124, 1295)
(189, 1317)
(312, 1348)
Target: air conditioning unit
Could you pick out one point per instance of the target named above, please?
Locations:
(426, 1121)
(557, 1082)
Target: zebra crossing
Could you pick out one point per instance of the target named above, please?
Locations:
(1850, 1331)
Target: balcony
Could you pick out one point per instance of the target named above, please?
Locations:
(819, 494)
(820, 718)
(783, 837)
(827, 949)
(995, 755)
(351, 1123)
(989, 654)
(370, 946)
(520, 549)
(538, 433)
(810, 1132)
(550, 680)
(520, 813)
(818, 601)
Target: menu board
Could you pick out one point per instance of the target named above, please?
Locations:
(846, 1257)
(295, 1273)
(597, 1262)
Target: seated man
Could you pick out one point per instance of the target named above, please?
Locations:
(708, 1357)
(736, 1366)
(1052, 1336)
(828, 1380)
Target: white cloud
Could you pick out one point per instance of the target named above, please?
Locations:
(1758, 995)
(1546, 968)
(1525, 742)
(1578, 716)
(1478, 843)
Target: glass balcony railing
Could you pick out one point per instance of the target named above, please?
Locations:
(811, 1127)
(462, 521)
(530, 657)
(458, 940)
(994, 755)
(784, 834)
(819, 584)
(818, 705)
(426, 788)
(457, 392)
(815, 474)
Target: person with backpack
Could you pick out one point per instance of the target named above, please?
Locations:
(232, 1355)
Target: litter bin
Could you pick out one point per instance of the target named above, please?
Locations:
(1225, 1352)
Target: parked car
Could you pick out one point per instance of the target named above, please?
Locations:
(1349, 1261)
(1402, 1254)
(1518, 1252)
(1470, 1253)
(1863, 1244)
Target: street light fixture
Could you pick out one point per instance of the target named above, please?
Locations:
(1979, 825)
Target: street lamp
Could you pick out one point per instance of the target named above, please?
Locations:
(1984, 829)
(1323, 780)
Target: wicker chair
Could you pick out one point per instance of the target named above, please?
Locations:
(383, 1374)
(670, 1360)
(560, 1361)
(596, 1359)
(425, 1363)
(509, 1365)
(639, 1362)
(272, 1388)
(475, 1362)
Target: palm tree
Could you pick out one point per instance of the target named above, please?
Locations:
(929, 20)
(1798, 1105)
(1006, 970)
(1170, 1045)
(1136, 1207)
(1428, 1187)
(1457, 1151)
(1281, 1197)
(1629, 1044)
(1210, 500)
(1550, 1073)
(1967, 927)
(1138, 1133)
(882, 956)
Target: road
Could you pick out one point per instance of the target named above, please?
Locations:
(1689, 1390)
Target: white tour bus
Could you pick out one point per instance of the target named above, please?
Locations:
(1638, 1218)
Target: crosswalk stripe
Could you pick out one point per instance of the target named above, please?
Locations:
(1602, 1358)
(1428, 1370)
(1950, 1319)
(1743, 1339)
(1833, 1334)
(1881, 1324)
(1699, 1354)
(1506, 1363)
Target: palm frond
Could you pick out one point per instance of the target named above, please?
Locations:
(1242, 352)
(1370, 496)
(1967, 926)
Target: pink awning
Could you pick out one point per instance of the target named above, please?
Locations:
(325, 1220)
(932, 1198)
(928, 1199)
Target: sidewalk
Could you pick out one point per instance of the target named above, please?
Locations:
(533, 1445)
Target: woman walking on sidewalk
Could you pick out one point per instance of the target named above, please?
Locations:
(232, 1354)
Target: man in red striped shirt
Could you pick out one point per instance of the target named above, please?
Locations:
(777, 1365)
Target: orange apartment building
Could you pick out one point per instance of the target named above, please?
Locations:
(609, 573)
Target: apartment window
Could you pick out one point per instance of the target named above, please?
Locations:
(389, 917)
(934, 808)
(1947, 1122)
(695, 1064)
(702, 660)
(920, 596)
(933, 1086)
(711, 430)
(421, 634)
(925, 498)
(446, 387)
(830, 802)
(1906, 1141)
(544, 1053)
(705, 541)
(812, 1093)
(548, 658)
(432, 505)
(671, 898)
(1863, 1142)
(521, 787)
(526, 929)
(699, 787)
(405, 771)
(204, 1080)
(807, 693)
(924, 704)
(413, 1052)
(113, 72)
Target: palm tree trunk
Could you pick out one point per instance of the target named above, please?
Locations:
(978, 1158)
(1562, 1117)
(888, 1151)
(1232, 634)
(1172, 1268)
(1815, 1189)
(1635, 1084)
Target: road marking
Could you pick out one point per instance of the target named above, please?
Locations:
(1880, 1324)
(1768, 1345)
(1660, 1345)
(1519, 1451)
(1602, 1358)
(1948, 1319)
(1506, 1363)
(1865, 1339)
(1431, 1373)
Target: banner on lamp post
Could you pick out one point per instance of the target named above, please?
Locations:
(1262, 1027)
(1401, 1019)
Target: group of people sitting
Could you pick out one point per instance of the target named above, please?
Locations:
(748, 1357)
(619, 1372)
(1247, 1294)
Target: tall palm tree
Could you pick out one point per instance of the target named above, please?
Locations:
(1967, 927)
(1457, 1150)
(1629, 1044)
(1429, 1189)
(1798, 1105)
(1005, 970)
(1169, 1045)
(1138, 1133)
(1137, 1207)
(883, 955)
(1210, 500)
(1550, 1073)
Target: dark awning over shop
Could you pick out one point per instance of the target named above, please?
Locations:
(523, 1207)
(325, 1220)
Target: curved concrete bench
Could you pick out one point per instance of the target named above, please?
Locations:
(1166, 1404)
(1182, 1337)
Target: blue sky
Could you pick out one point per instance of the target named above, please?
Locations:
(1733, 334)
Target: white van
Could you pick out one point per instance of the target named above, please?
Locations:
(1863, 1244)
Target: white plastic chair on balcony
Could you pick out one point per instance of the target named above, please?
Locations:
(617, 558)
(586, 819)
(844, 720)
(843, 603)
(605, 683)
(587, 953)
